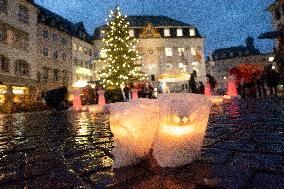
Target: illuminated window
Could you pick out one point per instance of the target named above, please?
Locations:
(194, 63)
(179, 32)
(192, 32)
(80, 48)
(193, 51)
(74, 46)
(169, 51)
(23, 14)
(131, 33)
(180, 65)
(3, 6)
(167, 32)
(271, 59)
(181, 51)
(103, 53)
(102, 33)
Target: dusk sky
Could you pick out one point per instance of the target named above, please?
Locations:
(223, 23)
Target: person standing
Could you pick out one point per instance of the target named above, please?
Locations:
(126, 91)
(261, 91)
(272, 81)
(192, 83)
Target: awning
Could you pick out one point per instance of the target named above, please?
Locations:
(271, 35)
(173, 77)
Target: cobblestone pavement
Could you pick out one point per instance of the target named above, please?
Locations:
(244, 148)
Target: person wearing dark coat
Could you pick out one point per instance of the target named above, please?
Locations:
(261, 90)
(192, 83)
(126, 91)
(272, 78)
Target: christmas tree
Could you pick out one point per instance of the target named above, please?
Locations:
(121, 57)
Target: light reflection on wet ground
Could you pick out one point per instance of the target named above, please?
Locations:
(244, 148)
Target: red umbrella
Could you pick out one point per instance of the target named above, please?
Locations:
(237, 73)
(250, 70)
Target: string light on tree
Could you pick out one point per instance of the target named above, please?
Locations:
(121, 56)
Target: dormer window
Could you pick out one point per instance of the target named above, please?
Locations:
(277, 14)
(167, 32)
(42, 18)
(179, 32)
(131, 33)
(3, 6)
(23, 14)
(192, 32)
(82, 34)
(52, 22)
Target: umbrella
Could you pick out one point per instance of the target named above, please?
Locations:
(237, 73)
(250, 70)
(271, 35)
(174, 76)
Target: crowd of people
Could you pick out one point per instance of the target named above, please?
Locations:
(259, 85)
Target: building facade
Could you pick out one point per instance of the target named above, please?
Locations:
(165, 45)
(82, 57)
(221, 61)
(54, 50)
(18, 57)
(277, 11)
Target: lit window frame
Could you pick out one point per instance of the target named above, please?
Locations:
(192, 32)
(167, 32)
(131, 32)
(168, 51)
(181, 51)
(193, 51)
(179, 32)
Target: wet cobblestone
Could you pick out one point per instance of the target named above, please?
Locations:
(243, 148)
